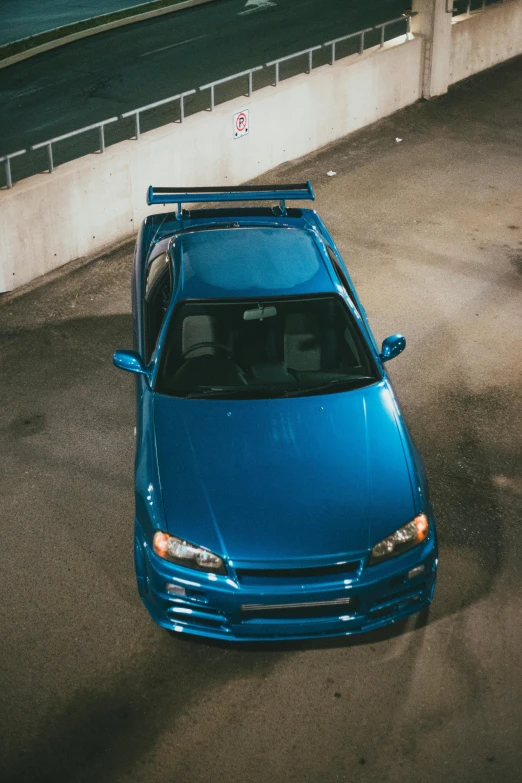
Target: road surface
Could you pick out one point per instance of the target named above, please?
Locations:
(92, 690)
(114, 72)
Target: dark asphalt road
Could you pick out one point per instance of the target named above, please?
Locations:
(91, 690)
(22, 18)
(109, 74)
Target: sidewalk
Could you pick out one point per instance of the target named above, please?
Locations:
(22, 18)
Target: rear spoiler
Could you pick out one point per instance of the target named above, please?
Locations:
(181, 196)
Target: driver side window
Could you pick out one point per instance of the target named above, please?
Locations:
(341, 275)
(158, 291)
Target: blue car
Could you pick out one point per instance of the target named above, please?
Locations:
(279, 494)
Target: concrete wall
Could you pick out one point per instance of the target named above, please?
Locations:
(432, 21)
(91, 203)
(485, 39)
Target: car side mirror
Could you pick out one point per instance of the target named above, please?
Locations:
(392, 346)
(130, 361)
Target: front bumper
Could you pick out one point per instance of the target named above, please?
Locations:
(220, 607)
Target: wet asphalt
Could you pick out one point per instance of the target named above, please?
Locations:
(92, 690)
(111, 73)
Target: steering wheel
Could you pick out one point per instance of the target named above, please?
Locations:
(207, 345)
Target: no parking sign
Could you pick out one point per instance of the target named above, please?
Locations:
(241, 123)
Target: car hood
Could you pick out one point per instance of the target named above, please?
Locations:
(287, 479)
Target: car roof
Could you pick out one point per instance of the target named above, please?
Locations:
(251, 262)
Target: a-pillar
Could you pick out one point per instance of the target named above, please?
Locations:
(433, 22)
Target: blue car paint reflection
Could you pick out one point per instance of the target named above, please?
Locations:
(292, 492)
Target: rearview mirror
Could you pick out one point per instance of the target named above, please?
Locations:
(129, 361)
(392, 347)
(259, 313)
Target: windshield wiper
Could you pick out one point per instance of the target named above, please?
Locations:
(230, 393)
(262, 391)
(208, 393)
(342, 382)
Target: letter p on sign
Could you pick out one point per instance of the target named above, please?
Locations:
(241, 123)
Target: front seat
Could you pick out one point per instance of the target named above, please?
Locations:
(198, 329)
(302, 347)
(207, 365)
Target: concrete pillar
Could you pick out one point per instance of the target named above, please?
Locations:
(433, 22)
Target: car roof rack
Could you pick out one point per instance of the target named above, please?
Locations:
(279, 193)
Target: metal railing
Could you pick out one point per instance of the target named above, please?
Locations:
(333, 44)
(136, 112)
(473, 8)
(211, 85)
(403, 17)
(361, 34)
(6, 160)
(49, 143)
(309, 52)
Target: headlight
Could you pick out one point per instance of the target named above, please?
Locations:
(403, 539)
(181, 552)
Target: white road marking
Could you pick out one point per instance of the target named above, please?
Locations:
(251, 6)
(171, 46)
(37, 89)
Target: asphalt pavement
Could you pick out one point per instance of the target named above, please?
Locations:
(92, 690)
(106, 75)
(23, 18)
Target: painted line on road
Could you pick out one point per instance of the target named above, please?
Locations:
(70, 38)
(38, 89)
(171, 46)
(257, 5)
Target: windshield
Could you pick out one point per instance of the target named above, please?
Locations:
(274, 348)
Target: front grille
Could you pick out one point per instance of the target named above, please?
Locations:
(298, 611)
(253, 576)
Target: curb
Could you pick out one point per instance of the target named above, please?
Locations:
(100, 28)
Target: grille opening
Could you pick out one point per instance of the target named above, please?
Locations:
(298, 573)
(396, 605)
(398, 580)
(408, 593)
(301, 613)
(214, 620)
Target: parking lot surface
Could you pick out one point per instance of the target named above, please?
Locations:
(92, 690)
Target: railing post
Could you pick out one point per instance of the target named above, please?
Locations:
(8, 172)
(137, 125)
(6, 160)
(211, 97)
(250, 75)
(276, 74)
(181, 107)
(333, 53)
(310, 61)
(50, 154)
(382, 35)
(361, 49)
(102, 139)
(408, 25)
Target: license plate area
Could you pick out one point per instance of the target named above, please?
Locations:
(300, 611)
